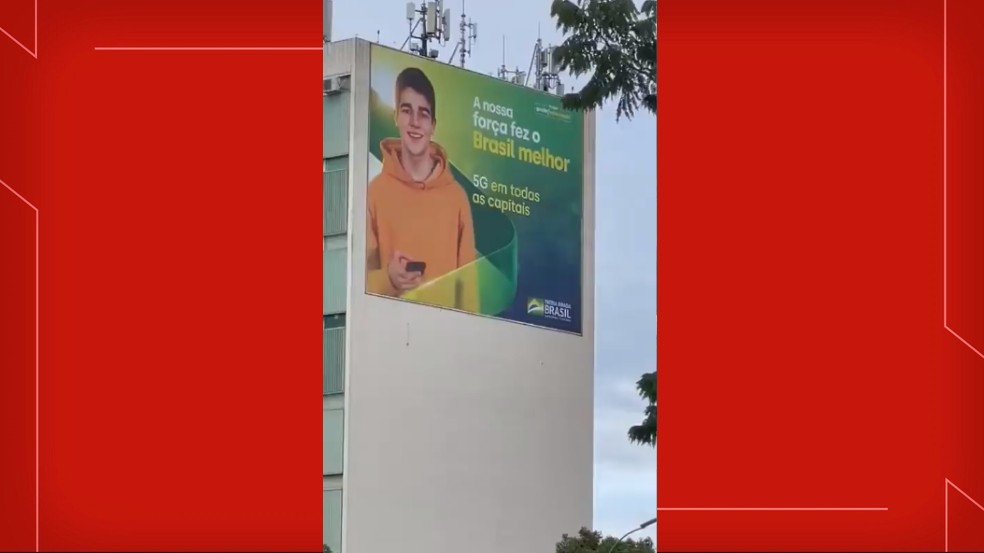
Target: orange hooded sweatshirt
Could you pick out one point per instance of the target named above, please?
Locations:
(427, 221)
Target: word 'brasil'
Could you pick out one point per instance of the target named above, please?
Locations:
(507, 148)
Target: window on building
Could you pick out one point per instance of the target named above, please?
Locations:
(333, 354)
(335, 321)
(332, 441)
(335, 196)
(335, 121)
(334, 271)
(332, 523)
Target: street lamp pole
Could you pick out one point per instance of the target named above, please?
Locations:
(642, 526)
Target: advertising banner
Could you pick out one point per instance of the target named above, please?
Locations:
(475, 193)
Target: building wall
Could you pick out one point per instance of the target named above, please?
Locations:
(462, 433)
(335, 184)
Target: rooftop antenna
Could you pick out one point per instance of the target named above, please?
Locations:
(502, 68)
(467, 38)
(436, 23)
(326, 10)
(515, 76)
(547, 70)
(533, 59)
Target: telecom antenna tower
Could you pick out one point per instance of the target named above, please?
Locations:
(468, 36)
(326, 10)
(436, 22)
(514, 76)
(547, 69)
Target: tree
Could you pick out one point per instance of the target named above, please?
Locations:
(588, 541)
(645, 433)
(614, 42)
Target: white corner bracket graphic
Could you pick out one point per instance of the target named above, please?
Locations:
(946, 510)
(37, 366)
(34, 52)
(946, 320)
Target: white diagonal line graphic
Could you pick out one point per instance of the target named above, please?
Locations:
(946, 510)
(37, 328)
(946, 323)
(33, 53)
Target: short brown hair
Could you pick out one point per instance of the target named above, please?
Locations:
(416, 80)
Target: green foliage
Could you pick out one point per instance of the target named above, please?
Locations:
(588, 541)
(645, 433)
(614, 42)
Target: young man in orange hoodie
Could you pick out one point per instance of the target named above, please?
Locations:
(419, 232)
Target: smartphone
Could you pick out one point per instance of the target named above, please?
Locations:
(416, 267)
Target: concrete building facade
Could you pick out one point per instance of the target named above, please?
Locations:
(444, 432)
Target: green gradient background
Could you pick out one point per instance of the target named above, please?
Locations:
(520, 257)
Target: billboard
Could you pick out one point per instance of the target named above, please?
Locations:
(475, 193)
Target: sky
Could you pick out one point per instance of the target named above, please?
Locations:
(625, 240)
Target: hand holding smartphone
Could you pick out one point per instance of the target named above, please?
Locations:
(405, 274)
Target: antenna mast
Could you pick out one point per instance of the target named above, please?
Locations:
(326, 8)
(436, 23)
(547, 75)
(502, 70)
(468, 36)
(514, 76)
(544, 68)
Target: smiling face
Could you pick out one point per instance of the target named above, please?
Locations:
(415, 121)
